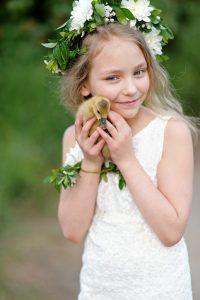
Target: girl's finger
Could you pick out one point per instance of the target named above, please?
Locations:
(93, 138)
(117, 120)
(105, 135)
(86, 128)
(111, 129)
(99, 145)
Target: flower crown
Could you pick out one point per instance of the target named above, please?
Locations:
(87, 15)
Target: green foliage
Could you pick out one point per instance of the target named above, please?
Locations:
(113, 169)
(66, 176)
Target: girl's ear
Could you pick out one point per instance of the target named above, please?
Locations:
(85, 91)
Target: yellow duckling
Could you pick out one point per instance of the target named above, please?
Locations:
(98, 107)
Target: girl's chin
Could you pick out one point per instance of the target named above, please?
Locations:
(127, 114)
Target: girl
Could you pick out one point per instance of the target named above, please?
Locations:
(134, 245)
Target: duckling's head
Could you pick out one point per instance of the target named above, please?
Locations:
(101, 109)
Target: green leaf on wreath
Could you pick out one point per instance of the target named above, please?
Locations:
(100, 10)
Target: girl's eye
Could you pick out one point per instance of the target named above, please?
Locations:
(140, 73)
(112, 77)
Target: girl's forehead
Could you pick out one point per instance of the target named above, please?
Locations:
(118, 52)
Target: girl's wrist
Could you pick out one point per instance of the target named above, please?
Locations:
(91, 166)
(126, 164)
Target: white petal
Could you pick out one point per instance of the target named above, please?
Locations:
(153, 40)
(81, 13)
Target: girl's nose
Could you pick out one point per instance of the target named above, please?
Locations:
(129, 87)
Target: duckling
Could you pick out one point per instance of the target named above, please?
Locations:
(99, 107)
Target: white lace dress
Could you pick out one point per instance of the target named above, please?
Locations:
(123, 259)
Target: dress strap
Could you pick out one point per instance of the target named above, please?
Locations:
(159, 129)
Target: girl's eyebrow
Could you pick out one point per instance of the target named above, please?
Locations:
(141, 65)
(112, 71)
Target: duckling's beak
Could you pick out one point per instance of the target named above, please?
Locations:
(102, 122)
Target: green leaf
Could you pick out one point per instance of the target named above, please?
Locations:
(61, 181)
(61, 54)
(121, 183)
(52, 65)
(56, 54)
(156, 12)
(98, 19)
(64, 34)
(64, 25)
(72, 54)
(104, 177)
(93, 25)
(155, 21)
(121, 18)
(100, 10)
(66, 182)
(64, 51)
(47, 180)
(57, 187)
(127, 13)
(49, 45)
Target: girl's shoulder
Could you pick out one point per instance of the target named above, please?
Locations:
(177, 128)
(69, 140)
(177, 135)
(176, 131)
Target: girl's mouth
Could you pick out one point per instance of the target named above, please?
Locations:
(129, 103)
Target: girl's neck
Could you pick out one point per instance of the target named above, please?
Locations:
(141, 120)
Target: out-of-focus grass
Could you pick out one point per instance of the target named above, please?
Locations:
(32, 123)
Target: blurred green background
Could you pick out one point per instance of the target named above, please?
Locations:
(32, 118)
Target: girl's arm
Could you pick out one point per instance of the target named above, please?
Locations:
(77, 204)
(165, 207)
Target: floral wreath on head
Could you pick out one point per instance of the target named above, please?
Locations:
(87, 15)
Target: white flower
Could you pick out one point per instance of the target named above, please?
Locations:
(74, 156)
(81, 13)
(132, 23)
(107, 162)
(153, 40)
(148, 25)
(109, 13)
(140, 9)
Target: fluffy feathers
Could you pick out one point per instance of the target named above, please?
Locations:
(98, 107)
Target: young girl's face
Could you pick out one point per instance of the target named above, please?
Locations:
(119, 72)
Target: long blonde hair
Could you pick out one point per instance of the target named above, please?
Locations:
(160, 97)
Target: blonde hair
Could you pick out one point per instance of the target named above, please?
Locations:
(160, 97)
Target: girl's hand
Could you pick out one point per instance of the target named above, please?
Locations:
(89, 145)
(120, 139)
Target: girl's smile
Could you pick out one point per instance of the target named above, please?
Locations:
(129, 103)
(119, 72)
